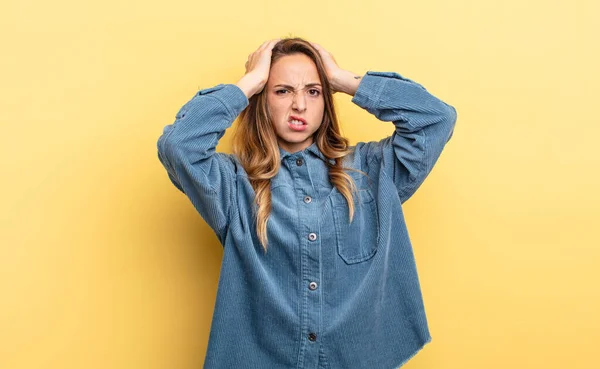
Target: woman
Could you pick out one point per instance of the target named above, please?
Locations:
(318, 269)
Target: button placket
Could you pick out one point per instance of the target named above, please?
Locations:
(311, 253)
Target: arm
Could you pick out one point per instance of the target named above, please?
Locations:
(423, 122)
(423, 125)
(186, 149)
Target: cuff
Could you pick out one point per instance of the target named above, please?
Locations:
(230, 95)
(370, 87)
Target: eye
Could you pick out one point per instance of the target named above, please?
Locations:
(278, 92)
(314, 92)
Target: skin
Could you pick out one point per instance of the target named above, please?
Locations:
(296, 70)
(302, 99)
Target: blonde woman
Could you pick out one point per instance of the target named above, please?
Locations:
(318, 269)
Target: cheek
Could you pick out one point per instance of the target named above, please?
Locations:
(319, 110)
(277, 109)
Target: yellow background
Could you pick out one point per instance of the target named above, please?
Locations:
(104, 264)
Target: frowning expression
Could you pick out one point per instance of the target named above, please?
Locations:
(295, 101)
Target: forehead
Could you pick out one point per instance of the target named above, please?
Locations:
(296, 70)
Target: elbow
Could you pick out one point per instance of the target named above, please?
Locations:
(170, 150)
(171, 146)
(164, 143)
(165, 148)
(449, 119)
(450, 114)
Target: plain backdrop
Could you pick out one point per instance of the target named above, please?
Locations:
(105, 264)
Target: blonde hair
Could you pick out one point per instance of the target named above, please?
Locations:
(255, 141)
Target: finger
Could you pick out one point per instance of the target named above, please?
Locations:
(265, 44)
(261, 47)
(321, 51)
(272, 45)
(269, 45)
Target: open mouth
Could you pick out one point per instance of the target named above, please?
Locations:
(296, 120)
(297, 124)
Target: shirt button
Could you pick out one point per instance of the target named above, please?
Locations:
(312, 337)
(307, 199)
(299, 162)
(312, 236)
(312, 286)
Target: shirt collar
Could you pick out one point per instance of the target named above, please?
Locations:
(312, 149)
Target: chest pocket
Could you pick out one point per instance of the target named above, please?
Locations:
(356, 241)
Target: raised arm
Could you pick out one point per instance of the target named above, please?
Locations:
(423, 126)
(186, 147)
(187, 151)
(423, 123)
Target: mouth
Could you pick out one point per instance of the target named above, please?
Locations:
(297, 123)
(296, 120)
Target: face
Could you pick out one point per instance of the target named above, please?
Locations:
(294, 93)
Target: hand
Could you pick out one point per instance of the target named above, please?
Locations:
(257, 69)
(340, 79)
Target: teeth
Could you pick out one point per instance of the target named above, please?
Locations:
(297, 122)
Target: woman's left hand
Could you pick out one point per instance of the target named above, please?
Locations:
(340, 79)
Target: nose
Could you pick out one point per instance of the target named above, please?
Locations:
(298, 102)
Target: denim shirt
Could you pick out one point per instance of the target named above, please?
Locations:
(328, 294)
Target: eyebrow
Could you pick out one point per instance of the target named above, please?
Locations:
(291, 88)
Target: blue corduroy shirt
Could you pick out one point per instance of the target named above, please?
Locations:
(328, 294)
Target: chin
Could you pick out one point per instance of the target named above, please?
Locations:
(299, 139)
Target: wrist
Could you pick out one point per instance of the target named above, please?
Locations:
(347, 82)
(249, 85)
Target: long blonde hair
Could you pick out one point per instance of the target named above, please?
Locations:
(255, 141)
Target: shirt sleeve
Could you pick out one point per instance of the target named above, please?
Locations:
(186, 149)
(423, 126)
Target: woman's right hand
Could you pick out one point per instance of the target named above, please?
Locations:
(257, 69)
